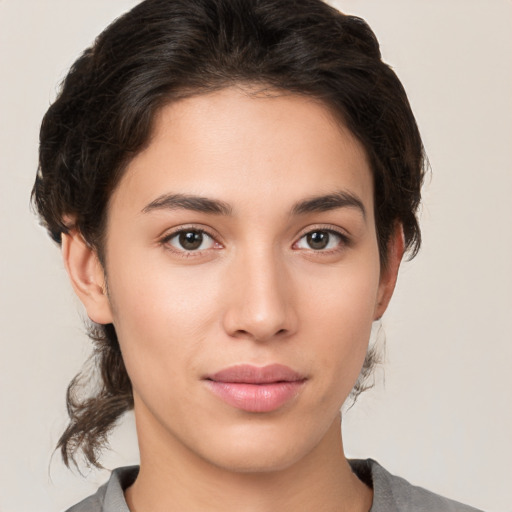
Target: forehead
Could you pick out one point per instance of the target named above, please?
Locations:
(247, 148)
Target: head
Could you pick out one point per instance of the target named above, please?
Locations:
(166, 62)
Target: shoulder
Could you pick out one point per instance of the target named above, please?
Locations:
(110, 496)
(392, 493)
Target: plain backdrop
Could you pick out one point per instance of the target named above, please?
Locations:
(442, 416)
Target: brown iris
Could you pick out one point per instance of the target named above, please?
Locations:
(318, 239)
(191, 240)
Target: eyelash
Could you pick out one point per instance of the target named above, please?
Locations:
(166, 241)
(344, 240)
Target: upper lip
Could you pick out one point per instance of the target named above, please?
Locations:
(249, 374)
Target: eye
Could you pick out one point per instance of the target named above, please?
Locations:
(190, 240)
(320, 240)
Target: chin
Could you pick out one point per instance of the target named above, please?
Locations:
(261, 451)
(256, 461)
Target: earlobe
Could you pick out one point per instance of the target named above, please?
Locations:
(389, 272)
(87, 276)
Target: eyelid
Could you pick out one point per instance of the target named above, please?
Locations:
(330, 228)
(324, 227)
(168, 235)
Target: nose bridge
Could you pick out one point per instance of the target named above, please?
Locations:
(261, 307)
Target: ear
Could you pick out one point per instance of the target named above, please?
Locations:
(389, 272)
(87, 276)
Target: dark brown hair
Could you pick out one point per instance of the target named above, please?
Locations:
(163, 50)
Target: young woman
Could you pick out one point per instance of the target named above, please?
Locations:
(234, 185)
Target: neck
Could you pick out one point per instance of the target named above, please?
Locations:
(171, 478)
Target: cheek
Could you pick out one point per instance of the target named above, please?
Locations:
(342, 299)
(161, 315)
(340, 316)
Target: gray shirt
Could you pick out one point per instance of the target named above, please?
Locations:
(390, 493)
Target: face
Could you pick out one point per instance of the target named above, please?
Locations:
(243, 277)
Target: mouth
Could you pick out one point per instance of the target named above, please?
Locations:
(256, 389)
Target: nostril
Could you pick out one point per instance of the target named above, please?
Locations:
(241, 333)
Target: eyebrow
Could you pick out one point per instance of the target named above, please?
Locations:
(201, 204)
(329, 202)
(188, 202)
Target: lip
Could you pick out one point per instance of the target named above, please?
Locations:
(256, 389)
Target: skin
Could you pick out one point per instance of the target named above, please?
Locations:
(254, 292)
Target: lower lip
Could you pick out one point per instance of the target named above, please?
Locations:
(256, 397)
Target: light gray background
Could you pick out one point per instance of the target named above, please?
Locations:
(443, 416)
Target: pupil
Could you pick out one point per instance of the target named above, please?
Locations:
(191, 239)
(318, 239)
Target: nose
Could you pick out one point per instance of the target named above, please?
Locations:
(261, 304)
